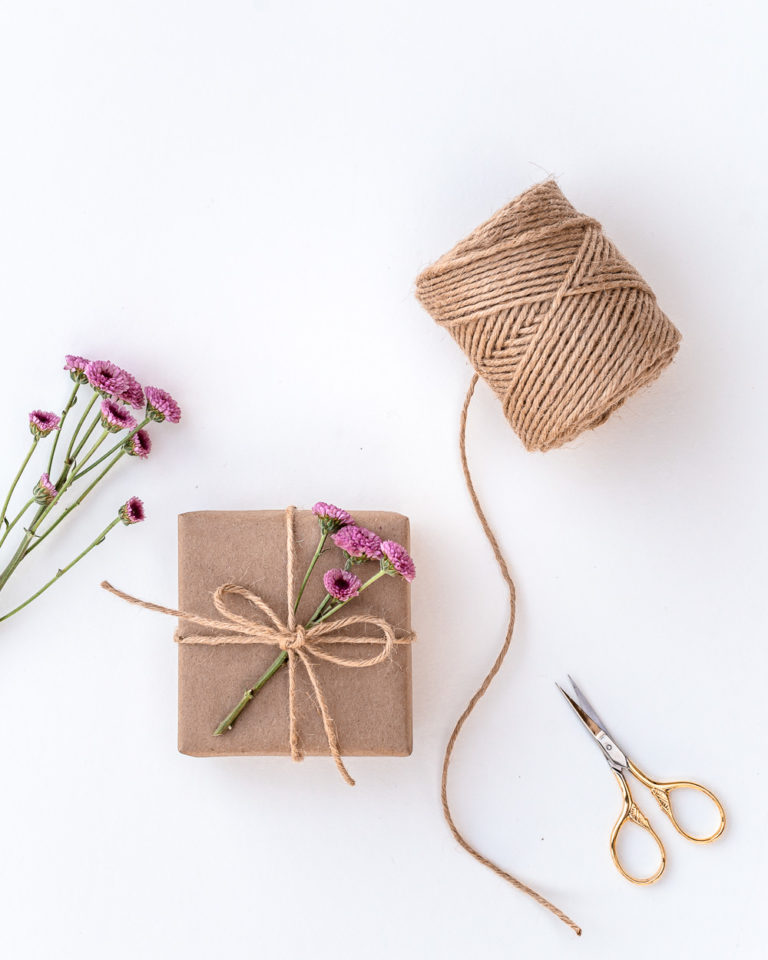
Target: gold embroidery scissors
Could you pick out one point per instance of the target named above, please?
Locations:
(661, 791)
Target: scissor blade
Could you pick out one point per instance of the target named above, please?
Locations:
(582, 714)
(612, 753)
(585, 705)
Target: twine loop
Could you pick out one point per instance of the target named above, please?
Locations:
(302, 644)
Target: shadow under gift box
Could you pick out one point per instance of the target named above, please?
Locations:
(370, 706)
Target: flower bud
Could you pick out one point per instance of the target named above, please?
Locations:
(44, 492)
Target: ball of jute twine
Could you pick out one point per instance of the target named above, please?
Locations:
(564, 330)
(551, 316)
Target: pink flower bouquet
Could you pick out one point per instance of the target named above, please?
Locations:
(86, 453)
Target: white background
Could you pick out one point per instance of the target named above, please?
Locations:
(233, 200)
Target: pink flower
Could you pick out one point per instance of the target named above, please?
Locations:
(161, 405)
(115, 417)
(138, 445)
(132, 394)
(341, 584)
(44, 492)
(106, 378)
(331, 518)
(398, 560)
(71, 362)
(76, 367)
(43, 422)
(358, 542)
(132, 511)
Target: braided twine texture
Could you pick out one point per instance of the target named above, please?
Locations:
(551, 316)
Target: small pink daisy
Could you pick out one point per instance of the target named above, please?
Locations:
(139, 445)
(359, 543)
(132, 511)
(398, 560)
(331, 518)
(43, 422)
(115, 417)
(161, 406)
(44, 492)
(76, 367)
(133, 394)
(341, 584)
(106, 378)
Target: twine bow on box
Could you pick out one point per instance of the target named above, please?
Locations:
(300, 643)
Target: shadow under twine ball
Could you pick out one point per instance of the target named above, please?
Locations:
(550, 315)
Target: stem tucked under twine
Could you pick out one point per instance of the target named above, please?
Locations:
(301, 644)
(503, 567)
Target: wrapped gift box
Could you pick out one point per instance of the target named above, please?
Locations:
(371, 707)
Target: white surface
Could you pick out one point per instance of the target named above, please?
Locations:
(233, 200)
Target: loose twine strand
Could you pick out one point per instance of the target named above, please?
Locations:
(504, 568)
(563, 329)
(301, 644)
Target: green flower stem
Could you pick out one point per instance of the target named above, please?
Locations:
(114, 449)
(19, 554)
(228, 722)
(87, 457)
(78, 428)
(24, 548)
(16, 479)
(250, 693)
(72, 506)
(16, 519)
(84, 439)
(63, 570)
(64, 412)
(319, 610)
(21, 550)
(327, 597)
(310, 568)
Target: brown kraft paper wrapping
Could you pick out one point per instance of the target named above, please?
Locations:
(371, 707)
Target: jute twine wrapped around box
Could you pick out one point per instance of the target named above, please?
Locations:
(302, 644)
(564, 330)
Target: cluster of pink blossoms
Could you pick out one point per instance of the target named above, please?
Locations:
(121, 390)
(118, 410)
(359, 546)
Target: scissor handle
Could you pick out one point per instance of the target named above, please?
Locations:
(661, 792)
(631, 813)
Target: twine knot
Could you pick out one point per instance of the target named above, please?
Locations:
(295, 640)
